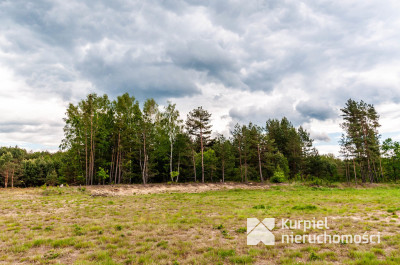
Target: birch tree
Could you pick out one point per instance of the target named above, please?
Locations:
(173, 126)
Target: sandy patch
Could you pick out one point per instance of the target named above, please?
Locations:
(137, 189)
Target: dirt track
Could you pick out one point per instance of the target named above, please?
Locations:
(121, 190)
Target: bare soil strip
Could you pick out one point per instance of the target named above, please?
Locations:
(123, 190)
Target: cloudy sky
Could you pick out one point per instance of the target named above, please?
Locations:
(242, 60)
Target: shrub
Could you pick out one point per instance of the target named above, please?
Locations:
(304, 207)
(261, 206)
(278, 177)
(102, 173)
(219, 227)
(241, 230)
(314, 256)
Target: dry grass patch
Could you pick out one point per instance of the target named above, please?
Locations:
(69, 226)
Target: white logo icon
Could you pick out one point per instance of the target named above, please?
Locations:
(260, 231)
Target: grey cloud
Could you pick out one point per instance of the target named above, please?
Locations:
(143, 81)
(260, 114)
(28, 126)
(320, 136)
(165, 49)
(291, 37)
(206, 56)
(316, 109)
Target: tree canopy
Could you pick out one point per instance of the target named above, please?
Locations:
(121, 141)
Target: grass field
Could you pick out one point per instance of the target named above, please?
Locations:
(68, 226)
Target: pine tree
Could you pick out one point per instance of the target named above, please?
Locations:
(198, 125)
(361, 138)
(223, 151)
(238, 142)
(287, 141)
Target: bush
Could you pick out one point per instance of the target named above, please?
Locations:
(278, 177)
(102, 174)
(261, 206)
(241, 230)
(51, 191)
(51, 178)
(304, 207)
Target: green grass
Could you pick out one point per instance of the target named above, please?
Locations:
(69, 226)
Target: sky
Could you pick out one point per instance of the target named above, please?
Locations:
(241, 60)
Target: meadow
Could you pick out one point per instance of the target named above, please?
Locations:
(71, 226)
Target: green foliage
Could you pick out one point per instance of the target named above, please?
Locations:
(51, 191)
(219, 227)
(304, 207)
(261, 206)
(391, 159)
(102, 173)
(288, 141)
(241, 230)
(314, 256)
(361, 138)
(210, 164)
(223, 253)
(78, 231)
(162, 244)
(278, 177)
(52, 178)
(174, 174)
(121, 141)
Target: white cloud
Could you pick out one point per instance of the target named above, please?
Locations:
(26, 120)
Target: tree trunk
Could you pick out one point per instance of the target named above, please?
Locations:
(202, 157)
(367, 152)
(369, 171)
(120, 171)
(245, 161)
(240, 159)
(223, 170)
(363, 178)
(12, 178)
(170, 161)
(380, 165)
(144, 177)
(6, 180)
(355, 172)
(194, 165)
(147, 168)
(91, 151)
(86, 160)
(112, 164)
(259, 163)
(140, 160)
(179, 163)
(117, 159)
(92, 162)
(245, 170)
(94, 158)
(375, 173)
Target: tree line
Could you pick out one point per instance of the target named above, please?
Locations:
(121, 141)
